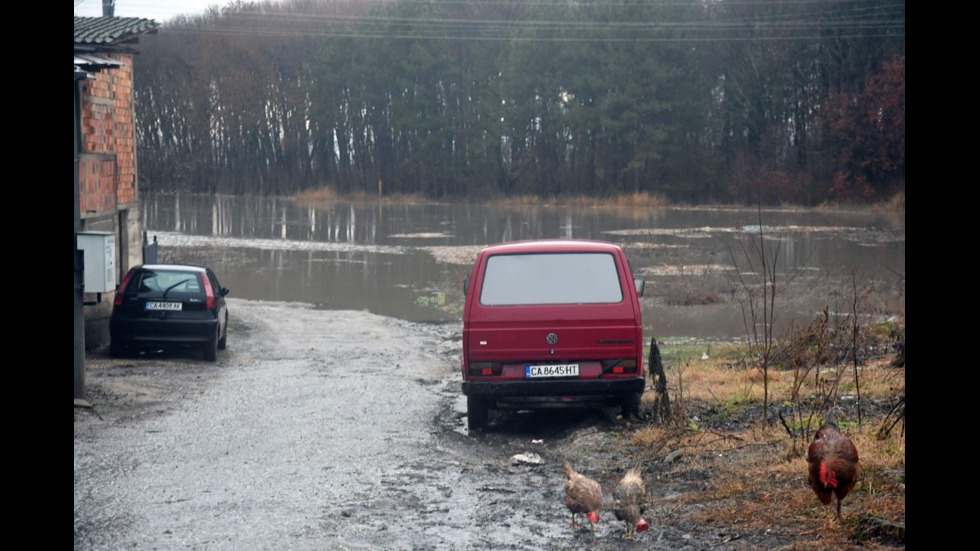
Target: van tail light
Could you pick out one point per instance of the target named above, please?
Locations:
(485, 369)
(620, 367)
(122, 289)
(208, 291)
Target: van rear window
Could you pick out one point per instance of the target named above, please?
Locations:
(561, 278)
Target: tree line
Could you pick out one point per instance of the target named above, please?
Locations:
(697, 100)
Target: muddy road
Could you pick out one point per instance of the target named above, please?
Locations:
(330, 430)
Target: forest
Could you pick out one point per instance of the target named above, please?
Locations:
(798, 101)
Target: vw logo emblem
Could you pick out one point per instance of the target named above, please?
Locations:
(552, 338)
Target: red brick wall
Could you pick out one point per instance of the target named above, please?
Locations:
(97, 184)
(108, 162)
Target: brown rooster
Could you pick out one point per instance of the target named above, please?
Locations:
(628, 502)
(582, 495)
(833, 464)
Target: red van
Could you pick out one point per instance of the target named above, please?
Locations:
(551, 323)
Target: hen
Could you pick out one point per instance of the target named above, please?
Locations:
(582, 495)
(628, 502)
(833, 464)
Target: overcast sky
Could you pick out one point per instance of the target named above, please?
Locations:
(161, 10)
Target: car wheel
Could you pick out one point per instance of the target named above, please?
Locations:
(631, 405)
(211, 348)
(223, 341)
(477, 412)
(117, 349)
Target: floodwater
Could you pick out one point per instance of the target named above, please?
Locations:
(409, 260)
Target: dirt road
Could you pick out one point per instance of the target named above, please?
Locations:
(345, 430)
(317, 429)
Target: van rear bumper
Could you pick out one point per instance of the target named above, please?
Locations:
(578, 387)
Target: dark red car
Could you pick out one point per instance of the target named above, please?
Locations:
(551, 323)
(168, 304)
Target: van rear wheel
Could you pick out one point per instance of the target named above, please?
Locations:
(477, 412)
(631, 405)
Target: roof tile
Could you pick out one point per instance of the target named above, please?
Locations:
(111, 30)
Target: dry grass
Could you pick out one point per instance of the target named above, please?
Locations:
(330, 195)
(721, 377)
(756, 484)
(764, 491)
(895, 203)
(753, 481)
(633, 200)
(323, 194)
(463, 255)
(726, 377)
(878, 380)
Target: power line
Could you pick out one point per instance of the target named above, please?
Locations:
(519, 30)
(854, 17)
(316, 18)
(519, 38)
(594, 4)
(811, 20)
(805, 21)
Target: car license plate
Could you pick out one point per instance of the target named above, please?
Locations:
(559, 370)
(165, 306)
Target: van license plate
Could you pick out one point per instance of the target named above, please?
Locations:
(559, 370)
(165, 306)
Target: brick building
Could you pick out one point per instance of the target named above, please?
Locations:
(107, 191)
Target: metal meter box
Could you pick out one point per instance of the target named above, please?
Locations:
(100, 260)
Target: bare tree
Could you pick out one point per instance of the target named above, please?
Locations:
(756, 263)
(810, 351)
(855, 338)
(473, 98)
(895, 415)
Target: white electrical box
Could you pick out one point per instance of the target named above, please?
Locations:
(100, 260)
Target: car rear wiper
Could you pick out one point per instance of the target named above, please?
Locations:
(171, 288)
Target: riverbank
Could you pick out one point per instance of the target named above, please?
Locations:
(892, 204)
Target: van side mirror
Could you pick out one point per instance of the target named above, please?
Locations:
(639, 284)
(224, 291)
(466, 286)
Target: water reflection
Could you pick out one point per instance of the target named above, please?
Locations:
(407, 260)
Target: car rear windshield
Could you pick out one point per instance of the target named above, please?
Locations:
(158, 281)
(557, 278)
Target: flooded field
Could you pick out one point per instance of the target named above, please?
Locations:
(408, 261)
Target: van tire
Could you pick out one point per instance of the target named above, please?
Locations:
(631, 405)
(477, 413)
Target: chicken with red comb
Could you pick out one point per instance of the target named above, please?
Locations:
(833, 464)
(628, 499)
